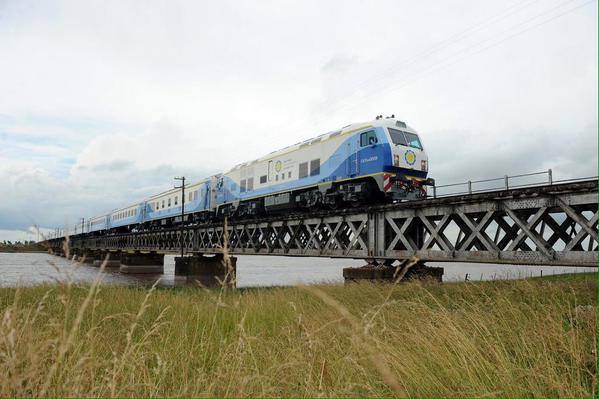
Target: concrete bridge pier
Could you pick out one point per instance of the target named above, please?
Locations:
(408, 269)
(75, 255)
(108, 258)
(209, 271)
(142, 263)
(87, 256)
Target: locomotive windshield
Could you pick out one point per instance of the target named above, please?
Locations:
(400, 137)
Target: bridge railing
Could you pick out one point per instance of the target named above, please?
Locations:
(498, 184)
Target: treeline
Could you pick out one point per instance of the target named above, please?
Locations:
(21, 246)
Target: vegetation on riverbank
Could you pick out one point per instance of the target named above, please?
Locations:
(522, 338)
(26, 246)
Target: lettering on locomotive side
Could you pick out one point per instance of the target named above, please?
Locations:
(371, 159)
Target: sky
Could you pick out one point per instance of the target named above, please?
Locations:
(103, 103)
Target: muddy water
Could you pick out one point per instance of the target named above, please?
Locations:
(252, 271)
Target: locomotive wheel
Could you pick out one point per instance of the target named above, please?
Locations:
(333, 203)
(315, 199)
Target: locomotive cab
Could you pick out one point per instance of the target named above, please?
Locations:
(408, 173)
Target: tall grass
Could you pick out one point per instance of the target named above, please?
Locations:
(510, 338)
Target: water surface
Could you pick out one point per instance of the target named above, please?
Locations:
(252, 271)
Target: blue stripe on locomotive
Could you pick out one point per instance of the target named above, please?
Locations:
(341, 165)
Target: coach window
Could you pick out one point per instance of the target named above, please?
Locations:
(176, 199)
(195, 195)
(276, 177)
(368, 138)
(303, 170)
(242, 186)
(250, 184)
(289, 175)
(262, 179)
(315, 167)
(162, 204)
(282, 176)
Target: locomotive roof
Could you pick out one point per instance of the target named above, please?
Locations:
(354, 127)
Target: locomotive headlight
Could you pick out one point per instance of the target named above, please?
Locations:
(395, 160)
(423, 165)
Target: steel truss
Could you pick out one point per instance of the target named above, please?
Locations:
(550, 225)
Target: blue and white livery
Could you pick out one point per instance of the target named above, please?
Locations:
(375, 162)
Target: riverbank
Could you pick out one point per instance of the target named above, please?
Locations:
(534, 337)
(18, 247)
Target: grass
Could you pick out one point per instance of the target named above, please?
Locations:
(520, 338)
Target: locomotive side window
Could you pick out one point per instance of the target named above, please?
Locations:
(242, 186)
(250, 184)
(315, 167)
(397, 137)
(262, 179)
(368, 138)
(413, 140)
(303, 170)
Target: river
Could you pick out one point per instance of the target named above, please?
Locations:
(252, 271)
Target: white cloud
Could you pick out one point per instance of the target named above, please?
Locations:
(105, 102)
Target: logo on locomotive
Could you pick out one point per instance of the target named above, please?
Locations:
(410, 157)
(278, 166)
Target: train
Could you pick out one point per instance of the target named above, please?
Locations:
(379, 161)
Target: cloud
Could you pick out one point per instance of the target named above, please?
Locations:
(103, 103)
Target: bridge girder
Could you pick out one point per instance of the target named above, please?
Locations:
(548, 225)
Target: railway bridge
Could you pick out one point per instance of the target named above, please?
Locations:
(548, 224)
